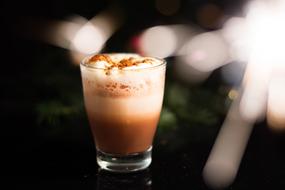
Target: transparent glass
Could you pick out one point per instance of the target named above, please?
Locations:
(123, 109)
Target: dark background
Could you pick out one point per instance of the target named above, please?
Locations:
(45, 136)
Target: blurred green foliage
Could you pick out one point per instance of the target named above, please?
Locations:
(193, 105)
(52, 111)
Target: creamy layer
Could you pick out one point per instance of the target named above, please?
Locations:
(122, 83)
(121, 61)
(124, 107)
(123, 92)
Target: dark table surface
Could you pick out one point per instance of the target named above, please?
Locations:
(68, 164)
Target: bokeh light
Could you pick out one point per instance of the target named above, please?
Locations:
(223, 162)
(235, 33)
(266, 30)
(276, 103)
(254, 97)
(207, 51)
(159, 41)
(93, 35)
(165, 40)
(233, 94)
(265, 36)
(61, 33)
(259, 40)
(89, 39)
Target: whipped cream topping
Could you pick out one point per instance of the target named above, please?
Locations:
(121, 61)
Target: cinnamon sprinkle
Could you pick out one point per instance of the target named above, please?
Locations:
(101, 57)
(126, 62)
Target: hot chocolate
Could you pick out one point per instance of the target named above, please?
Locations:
(123, 96)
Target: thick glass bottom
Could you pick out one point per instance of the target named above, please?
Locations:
(124, 163)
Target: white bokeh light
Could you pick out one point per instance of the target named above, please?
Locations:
(259, 40)
(276, 102)
(158, 41)
(266, 43)
(88, 39)
(207, 51)
(235, 33)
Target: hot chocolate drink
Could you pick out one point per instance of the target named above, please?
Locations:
(123, 96)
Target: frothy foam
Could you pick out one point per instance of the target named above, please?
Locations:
(121, 61)
(128, 81)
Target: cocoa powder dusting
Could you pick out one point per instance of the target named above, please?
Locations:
(126, 62)
(123, 86)
(101, 57)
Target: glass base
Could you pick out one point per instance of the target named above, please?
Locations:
(124, 163)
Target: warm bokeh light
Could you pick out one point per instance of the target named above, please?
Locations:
(265, 36)
(61, 33)
(257, 39)
(254, 97)
(276, 103)
(159, 41)
(266, 30)
(233, 94)
(77, 34)
(92, 36)
(235, 33)
(206, 52)
(166, 40)
(223, 162)
(89, 39)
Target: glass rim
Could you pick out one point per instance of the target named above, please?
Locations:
(83, 62)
